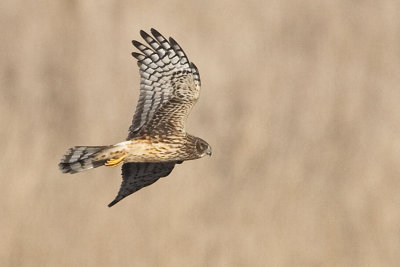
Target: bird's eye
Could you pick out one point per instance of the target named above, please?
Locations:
(201, 146)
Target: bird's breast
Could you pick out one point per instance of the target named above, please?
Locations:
(148, 150)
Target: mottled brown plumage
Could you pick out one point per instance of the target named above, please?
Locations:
(157, 140)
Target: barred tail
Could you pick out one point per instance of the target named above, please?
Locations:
(81, 158)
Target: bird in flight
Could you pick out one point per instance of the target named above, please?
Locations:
(157, 140)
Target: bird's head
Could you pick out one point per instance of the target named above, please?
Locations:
(203, 148)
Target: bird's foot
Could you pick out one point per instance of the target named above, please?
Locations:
(115, 162)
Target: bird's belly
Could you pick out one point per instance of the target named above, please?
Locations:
(146, 151)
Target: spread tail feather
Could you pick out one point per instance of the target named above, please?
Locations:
(81, 158)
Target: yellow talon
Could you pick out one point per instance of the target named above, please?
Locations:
(115, 162)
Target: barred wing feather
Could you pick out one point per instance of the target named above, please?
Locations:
(165, 74)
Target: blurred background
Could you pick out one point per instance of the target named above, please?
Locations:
(300, 102)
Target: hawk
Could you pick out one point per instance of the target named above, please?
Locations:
(157, 140)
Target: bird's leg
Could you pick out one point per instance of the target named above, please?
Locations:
(115, 162)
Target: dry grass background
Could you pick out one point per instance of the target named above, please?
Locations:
(300, 101)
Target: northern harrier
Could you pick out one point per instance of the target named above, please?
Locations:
(157, 140)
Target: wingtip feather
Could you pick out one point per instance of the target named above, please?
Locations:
(112, 203)
(136, 44)
(136, 55)
(173, 42)
(143, 34)
(155, 32)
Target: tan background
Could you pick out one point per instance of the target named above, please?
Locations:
(300, 101)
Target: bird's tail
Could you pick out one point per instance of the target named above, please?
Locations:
(81, 158)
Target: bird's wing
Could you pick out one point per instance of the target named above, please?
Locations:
(138, 175)
(169, 86)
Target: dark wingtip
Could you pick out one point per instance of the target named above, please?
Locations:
(155, 32)
(172, 41)
(136, 44)
(194, 66)
(136, 55)
(112, 203)
(143, 34)
(177, 47)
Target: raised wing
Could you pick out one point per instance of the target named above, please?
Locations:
(135, 176)
(169, 85)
